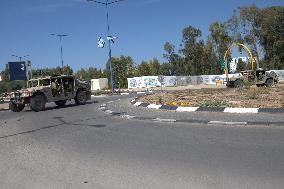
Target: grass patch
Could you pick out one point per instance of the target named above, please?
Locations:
(213, 103)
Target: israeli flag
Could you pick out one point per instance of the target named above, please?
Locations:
(101, 43)
(111, 38)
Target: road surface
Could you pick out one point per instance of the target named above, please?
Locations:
(84, 147)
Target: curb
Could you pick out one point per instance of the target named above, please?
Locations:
(166, 120)
(137, 103)
(124, 92)
(4, 109)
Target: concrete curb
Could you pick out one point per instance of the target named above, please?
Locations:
(137, 103)
(123, 115)
(4, 107)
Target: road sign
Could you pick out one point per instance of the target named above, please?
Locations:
(18, 71)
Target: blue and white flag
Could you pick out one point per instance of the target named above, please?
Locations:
(101, 42)
(111, 38)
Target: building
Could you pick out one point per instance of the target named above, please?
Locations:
(99, 84)
(234, 62)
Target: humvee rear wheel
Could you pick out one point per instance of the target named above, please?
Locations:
(61, 102)
(16, 107)
(37, 103)
(269, 82)
(81, 98)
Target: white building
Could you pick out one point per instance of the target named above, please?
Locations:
(234, 62)
(99, 84)
(0, 78)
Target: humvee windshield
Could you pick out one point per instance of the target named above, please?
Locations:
(44, 82)
(38, 82)
(32, 83)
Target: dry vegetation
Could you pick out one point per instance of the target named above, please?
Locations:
(249, 97)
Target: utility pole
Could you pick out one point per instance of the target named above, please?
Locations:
(106, 3)
(20, 57)
(61, 48)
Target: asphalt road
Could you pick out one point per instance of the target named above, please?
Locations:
(84, 147)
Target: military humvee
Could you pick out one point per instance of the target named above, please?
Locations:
(56, 89)
(259, 77)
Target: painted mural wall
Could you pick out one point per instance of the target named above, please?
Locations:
(169, 81)
(142, 82)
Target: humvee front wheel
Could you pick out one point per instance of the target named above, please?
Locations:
(81, 98)
(269, 82)
(16, 107)
(37, 103)
(60, 102)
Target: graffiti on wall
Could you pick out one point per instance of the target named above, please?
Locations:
(135, 82)
(151, 81)
(183, 80)
(167, 81)
(170, 81)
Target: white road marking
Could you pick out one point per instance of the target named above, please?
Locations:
(127, 116)
(100, 96)
(187, 109)
(226, 123)
(154, 106)
(108, 111)
(102, 108)
(164, 120)
(137, 103)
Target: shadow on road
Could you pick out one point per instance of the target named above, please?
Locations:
(62, 107)
(62, 122)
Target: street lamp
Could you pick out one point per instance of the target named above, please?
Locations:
(60, 38)
(20, 57)
(106, 3)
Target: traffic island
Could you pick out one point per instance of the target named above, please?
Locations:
(249, 99)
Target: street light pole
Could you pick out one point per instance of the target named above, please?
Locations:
(20, 57)
(108, 32)
(61, 48)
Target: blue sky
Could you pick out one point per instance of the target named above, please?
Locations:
(143, 26)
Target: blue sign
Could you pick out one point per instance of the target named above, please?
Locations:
(18, 71)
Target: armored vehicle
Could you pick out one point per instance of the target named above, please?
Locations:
(259, 77)
(56, 89)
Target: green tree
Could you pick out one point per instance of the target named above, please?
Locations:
(122, 68)
(209, 60)
(177, 64)
(251, 21)
(154, 67)
(240, 65)
(144, 69)
(165, 69)
(272, 37)
(192, 49)
(219, 38)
